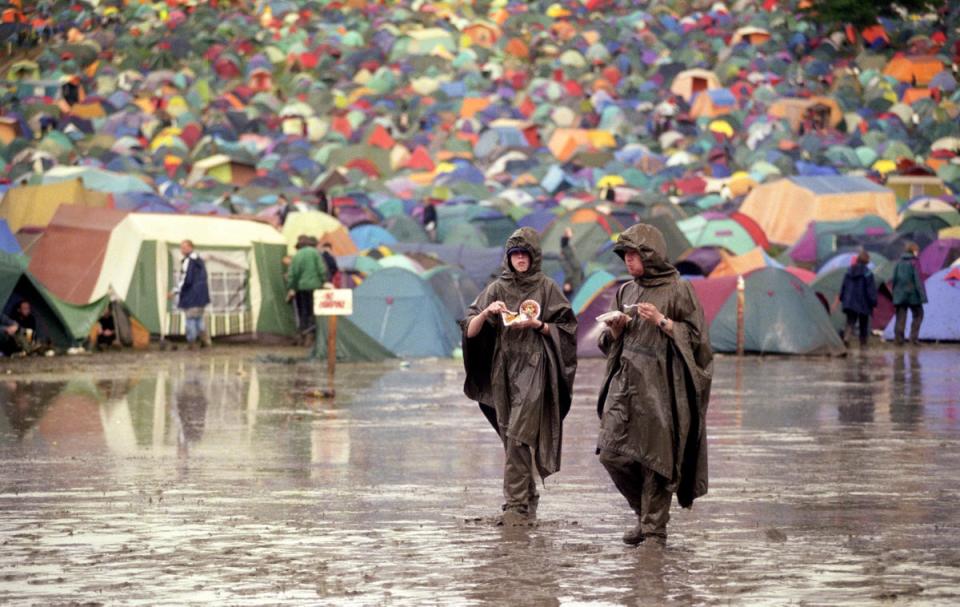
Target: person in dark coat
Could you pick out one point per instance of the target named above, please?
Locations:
(522, 374)
(430, 220)
(908, 294)
(858, 298)
(193, 294)
(330, 260)
(572, 270)
(653, 401)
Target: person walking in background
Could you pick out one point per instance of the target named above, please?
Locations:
(572, 270)
(858, 298)
(653, 401)
(193, 294)
(307, 273)
(522, 374)
(908, 294)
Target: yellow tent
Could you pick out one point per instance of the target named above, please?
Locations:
(565, 143)
(738, 265)
(35, 205)
(688, 83)
(783, 208)
(821, 111)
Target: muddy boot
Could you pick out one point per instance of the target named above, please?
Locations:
(205, 340)
(634, 536)
(514, 516)
(532, 506)
(308, 339)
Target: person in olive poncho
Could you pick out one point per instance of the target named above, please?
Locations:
(653, 401)
(522, 375)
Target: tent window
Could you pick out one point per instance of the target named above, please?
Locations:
(228, 291)
(698, 84)
(228, 275)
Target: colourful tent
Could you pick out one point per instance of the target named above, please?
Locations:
(823, 239)
(401, 311)
(18, 284)
(87, 254)
(782, 315)
(941, 319)
(353, 345)
(453, 287)
(737, 232)
(323, 227)
(784, 208)
(34, 205)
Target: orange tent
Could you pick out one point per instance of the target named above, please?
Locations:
(822, 111)
(915, 69)
(783, 208)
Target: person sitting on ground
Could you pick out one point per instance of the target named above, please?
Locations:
(105, 331)
(24, 317)
(9, 344)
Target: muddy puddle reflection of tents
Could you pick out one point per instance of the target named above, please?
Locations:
(189, 406)
(79, 417)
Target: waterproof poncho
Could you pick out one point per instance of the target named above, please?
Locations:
(522, 379)
(653, 402)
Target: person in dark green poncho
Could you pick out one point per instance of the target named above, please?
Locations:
(307, 273)
(653, 402)
(522, 374)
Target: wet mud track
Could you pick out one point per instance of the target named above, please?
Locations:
(191, 478)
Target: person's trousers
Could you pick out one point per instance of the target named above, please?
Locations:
(853, 318)
(644, 489)
(194, 323)
(901, 323)
(306, 321)
(519, 482)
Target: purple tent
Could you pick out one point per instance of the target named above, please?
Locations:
(700, 261)
(938, 255)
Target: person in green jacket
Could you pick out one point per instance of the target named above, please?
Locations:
(908, 294)
(307, 273)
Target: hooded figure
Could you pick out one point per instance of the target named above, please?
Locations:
(522, 375)
(653, 401)
(908, 294)
(858, 298)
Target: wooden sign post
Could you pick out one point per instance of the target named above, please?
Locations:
(332, 303)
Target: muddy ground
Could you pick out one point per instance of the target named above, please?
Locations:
(225, 477)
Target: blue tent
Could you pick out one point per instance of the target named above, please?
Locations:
(8, 243)
(401, 311)
(455, 289)
(941, 321)
(594, 284)
(369, 236)
(481, 265)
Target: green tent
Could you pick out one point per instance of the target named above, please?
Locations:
(353, 345)
(17, 284)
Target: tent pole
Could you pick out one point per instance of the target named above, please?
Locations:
(740, 325)
(331, 355)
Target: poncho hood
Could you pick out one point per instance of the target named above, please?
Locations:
(528, 240)
(649, 243)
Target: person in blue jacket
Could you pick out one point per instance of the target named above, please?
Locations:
(858, 297)
(193, 294)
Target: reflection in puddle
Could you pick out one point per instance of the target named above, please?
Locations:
(230, 480)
